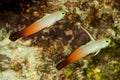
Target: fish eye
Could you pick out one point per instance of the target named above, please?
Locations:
(107, 41)
(63, 13)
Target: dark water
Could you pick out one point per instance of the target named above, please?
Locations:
(13, 5)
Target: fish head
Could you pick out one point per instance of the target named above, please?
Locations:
(59, 14)
(105, 42)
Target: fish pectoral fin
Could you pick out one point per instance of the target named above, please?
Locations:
(96, 52)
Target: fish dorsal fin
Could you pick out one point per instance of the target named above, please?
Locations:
(91, 37)
(46, 15)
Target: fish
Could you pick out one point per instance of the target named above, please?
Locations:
(38, 25)
(93, 46)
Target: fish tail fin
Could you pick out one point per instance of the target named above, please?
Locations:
(61, 65)
(15, 36)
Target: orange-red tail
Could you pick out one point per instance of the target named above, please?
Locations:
(73, 57)
(33, 28)
(15, 36)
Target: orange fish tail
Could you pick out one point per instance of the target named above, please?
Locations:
(32, 29)
(62, 64)
(73, 57)
(15, 36)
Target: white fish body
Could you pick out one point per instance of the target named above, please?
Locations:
(50, 19)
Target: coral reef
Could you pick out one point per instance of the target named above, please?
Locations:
(37, 59)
